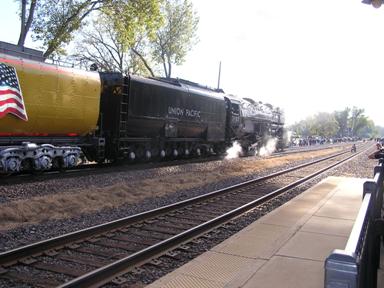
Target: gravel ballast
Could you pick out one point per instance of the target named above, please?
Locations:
(28, 233)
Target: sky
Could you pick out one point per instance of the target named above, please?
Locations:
(304, 56)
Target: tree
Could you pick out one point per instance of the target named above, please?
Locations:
(342, 120)
(123, 32)
(368, 130)
(352, 122)
(357, 121)
(102, 46)
(346, 123)
(379, 131)
(54, 22)
(135, 23)
(118, 37)
(133, 19)
(57, 20)
(325, 125)
(177, 36)
(139, 63)
(25, 19)
(302, 128)
(322, 124)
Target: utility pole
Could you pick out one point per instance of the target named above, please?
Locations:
(218, 80)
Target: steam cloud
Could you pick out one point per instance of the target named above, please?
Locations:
(268, 148)
(234, 152)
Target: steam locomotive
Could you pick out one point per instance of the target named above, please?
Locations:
(52, 117)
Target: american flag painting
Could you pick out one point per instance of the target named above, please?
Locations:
(11, 99)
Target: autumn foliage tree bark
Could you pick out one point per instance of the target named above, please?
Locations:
(26, 20)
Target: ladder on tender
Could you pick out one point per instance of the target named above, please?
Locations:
(123, 147)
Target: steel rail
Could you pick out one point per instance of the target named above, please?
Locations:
(107, 273)
(37, 248)
(104, 168)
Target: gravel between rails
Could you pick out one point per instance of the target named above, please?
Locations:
(26, 234)
(359, 167)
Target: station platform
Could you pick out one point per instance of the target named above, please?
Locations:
(286, 248)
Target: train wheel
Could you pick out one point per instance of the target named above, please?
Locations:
(131, 156)
(175, 153)
(148, 155)
(12, 164)
(43, 163)
(186, 152)
(198, 152)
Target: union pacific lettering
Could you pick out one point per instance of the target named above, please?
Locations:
(192, 113)
(181, 112)
(175, 111)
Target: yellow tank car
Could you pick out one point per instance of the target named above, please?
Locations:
(46, 100)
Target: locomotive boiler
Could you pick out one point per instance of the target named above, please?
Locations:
(260, 123)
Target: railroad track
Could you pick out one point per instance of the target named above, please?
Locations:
(101, 254)
(87, 169)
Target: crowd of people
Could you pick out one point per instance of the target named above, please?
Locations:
(378, 154)
(316, 140)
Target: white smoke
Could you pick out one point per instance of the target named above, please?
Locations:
(289, 135)
(234, 152)
(268, 148)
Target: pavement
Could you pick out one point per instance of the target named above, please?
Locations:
(285, 248)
